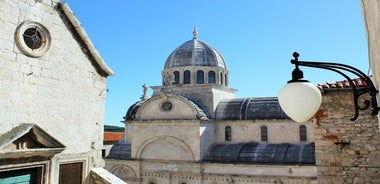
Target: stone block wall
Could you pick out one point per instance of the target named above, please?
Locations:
(61, 90)
(279, 131)
(167, 140)
(163, 172)
(346, 151)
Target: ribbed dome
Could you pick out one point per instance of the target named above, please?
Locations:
(195, 53)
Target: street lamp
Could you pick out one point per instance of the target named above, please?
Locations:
(300, 100)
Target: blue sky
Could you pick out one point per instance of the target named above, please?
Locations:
(256, 39)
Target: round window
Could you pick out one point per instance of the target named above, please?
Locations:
(32, 38)
(167, 106)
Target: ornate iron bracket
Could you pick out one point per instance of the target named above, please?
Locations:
(369, 88)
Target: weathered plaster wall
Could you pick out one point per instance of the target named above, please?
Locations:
(371, 14)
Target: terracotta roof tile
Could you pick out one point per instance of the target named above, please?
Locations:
(113, 136)
(358, 82)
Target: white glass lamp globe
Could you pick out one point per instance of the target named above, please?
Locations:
(300, 100)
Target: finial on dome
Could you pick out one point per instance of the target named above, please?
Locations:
(195, 33)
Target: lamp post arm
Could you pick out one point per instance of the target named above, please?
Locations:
(340, 68)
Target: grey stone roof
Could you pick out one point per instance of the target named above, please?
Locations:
(132, 110)
(195, 53)
(120, 151)
(249, 109)
(261, 153)
(201, 110)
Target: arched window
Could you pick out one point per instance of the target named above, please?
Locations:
(211, 77)
(225, 80)
(176, 77)
(221, 78)
(186, 77)
(227, 133)
(303, 133)
(200, 77)
(264, 134)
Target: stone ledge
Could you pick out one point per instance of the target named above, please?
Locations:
(101, 176)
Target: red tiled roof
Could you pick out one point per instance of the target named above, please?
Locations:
(357, 82)
(112, 136)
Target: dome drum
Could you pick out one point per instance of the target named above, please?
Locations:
(195, 75)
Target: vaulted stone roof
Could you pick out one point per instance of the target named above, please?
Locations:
(120, 151)
(195, 53)
(262, 153)
(249, 109)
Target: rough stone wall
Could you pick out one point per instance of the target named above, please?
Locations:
(61, 91)
(346, 151)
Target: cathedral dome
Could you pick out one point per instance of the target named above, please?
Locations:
(195, 53)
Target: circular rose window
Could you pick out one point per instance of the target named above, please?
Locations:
(167, 106)
(33, 39)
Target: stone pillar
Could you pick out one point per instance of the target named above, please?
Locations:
(371, 14)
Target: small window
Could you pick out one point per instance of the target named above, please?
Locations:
(71, 173)
(264, 134)
(25, 175)
(227, 133)
(33, 39)
(221, 78)
(176, 77)
(200, 77)
(104, 152)
(303, 133)
(186, 77)
(211, 77)
(225, 80)
(167, 106)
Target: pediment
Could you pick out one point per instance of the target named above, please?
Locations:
(28, 140)
(170, 107)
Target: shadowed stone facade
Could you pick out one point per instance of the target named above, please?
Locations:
(53, 84)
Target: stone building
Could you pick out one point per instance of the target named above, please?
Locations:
(194, 130)
(52, 92)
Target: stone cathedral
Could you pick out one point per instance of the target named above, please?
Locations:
(194, 130)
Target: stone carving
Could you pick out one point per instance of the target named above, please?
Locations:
(144, 95)
(168, 79)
